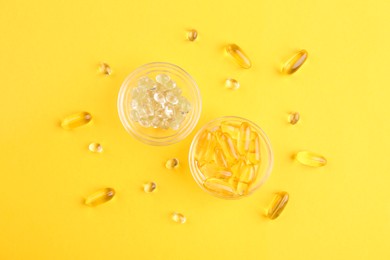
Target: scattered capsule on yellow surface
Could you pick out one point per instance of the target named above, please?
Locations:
(76, 120)
(220, 158)
(95, 147)
(254, 156)
(294, 118)
(99, 197)
(244, 138)
(239, 56)
(228, 147)
(232, 84)
(219, 186)
(179, 218)
(310, 159)
(105, 69)
(277, 205)
(192, 35)
(295, 62)
(150, 187)
(172, 163)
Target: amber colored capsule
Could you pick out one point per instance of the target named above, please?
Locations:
(247, 173)
(253, 156)
(218, 186)
(105, 69)
(242, 188)
(192, 35)
(205, 146)
(244, 138)
(277, 205)
(239, 56)
(76, 120)
(233, 129)
(228, 147)
(295, 62)
(220, 158)
(172, 163)
(310, 159)
(99, 197)
(294, 118)
(212, 170)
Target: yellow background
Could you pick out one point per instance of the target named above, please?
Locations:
(49, 52)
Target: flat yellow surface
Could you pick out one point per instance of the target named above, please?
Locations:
(49, 52)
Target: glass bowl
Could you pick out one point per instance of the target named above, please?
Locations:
(155, 135)
(230, 157)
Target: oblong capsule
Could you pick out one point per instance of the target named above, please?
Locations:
(310, 159)
(220, 158)
(99, 197)
(233, 129)
(295, 62)
(205, 146)
(239, 56)
(219, 187)
(76, 120)
(228, 147)
(244, 138)
(213, 170)
(277, 205)
(254, 155)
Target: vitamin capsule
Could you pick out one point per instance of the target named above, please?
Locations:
(244, 138)
(295, 62)
(310, 159)
(228, 147)
(233, 129)
(294, 118)
(105, 69)
(100, 197)
(242, 188)
(150, 187)
(192, 35)
(219, 187)
(179, 218)
(220, 158)
(205, 146)
(232, 84)
(247, 173)
(76, 120)
(254, 156)
(239, 56)
(95, 147)
(277, 205)
(212, 170)
(172, 163)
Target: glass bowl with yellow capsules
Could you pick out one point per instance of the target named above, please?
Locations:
(159, 103)
(230, 157)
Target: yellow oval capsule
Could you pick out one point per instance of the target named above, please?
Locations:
(277, 205)
(232, 84)
(233, 129)
(242, 188)
(228, 147)
(219, 187)
(99, 197)
(172, 163)
(192, 35)
(294, 118)
(254, 155)
(310, 159)
(179, 218)
(213, 170)
(295, 62)
(239, 56)
(95, 147)
(205, 146)
(76, 120)
(244, 138)
(220, 158)
(105, 69)
(150, 187)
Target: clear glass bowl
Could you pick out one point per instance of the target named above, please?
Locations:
(231, 188)
(158, 136)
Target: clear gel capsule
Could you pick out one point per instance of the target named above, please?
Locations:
(244, 138)
(95, 147)
(218, 186)
(179, 218)
(205, 147)
(105, 69)
(294, 118)
(228, 147)
(310, 159)
(150, 187)
(232, 84)
(254, 155)
(76, 120)
(220, 158)
(172, 163)
(99, 197)
(277, 205)
(295, 62)
(192, 35)
(239, 56)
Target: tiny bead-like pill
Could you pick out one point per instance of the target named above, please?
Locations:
(239, 56)
(244, 138)
(294, 118)
(172, 163)
(179, 218)
(76, 120)
(232, 84)
(218, 186)
(95, 147)
(192, 35)
(99, 197)
(277, 205)
(295, 62)
(310, 159)
(150, 187)
(105, 69)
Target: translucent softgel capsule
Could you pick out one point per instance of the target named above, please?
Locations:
(218, 186)
(76, 120)
(179, 218)
(172, 163)
(294, 118)
(277, 205)
(99, 197)
(244, 138)
(253, 155)
(310, 159)
(239, 56)
(192, 35)
(205, 146)
(150, 187)
(295, 62)
(105, 69)
(228, 147)
(95, 147)
(232, 84)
